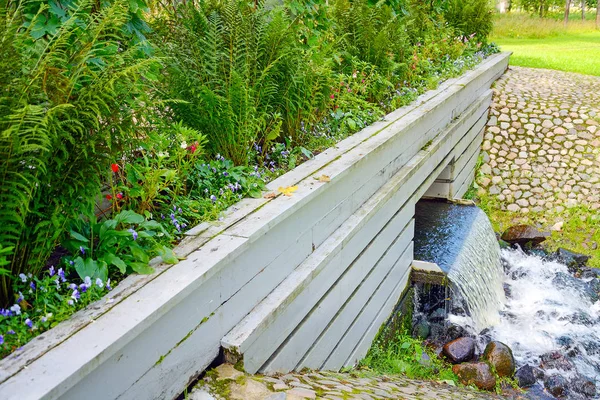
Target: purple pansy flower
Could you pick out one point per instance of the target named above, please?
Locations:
(32, 285)
(99, 282)
(61, 275)
(29, 323)
(11, 332)
(51, 270)
(134, 234)
(82, 250)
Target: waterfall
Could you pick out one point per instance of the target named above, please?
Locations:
(460, 239)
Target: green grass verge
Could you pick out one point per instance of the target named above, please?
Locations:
(579, 233)
(546, 43)
(578, 52)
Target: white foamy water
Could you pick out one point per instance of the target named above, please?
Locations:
(477, 273)
(541, 316)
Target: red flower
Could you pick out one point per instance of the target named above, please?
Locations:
(332, 96)
(119, 196)
(108, 197)
(193, 147)
(114, 167)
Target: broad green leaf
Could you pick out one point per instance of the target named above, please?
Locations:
(139, 254)
(141, 268)
(129, 217)
(79, 237)
(168, 255)
(112, 259)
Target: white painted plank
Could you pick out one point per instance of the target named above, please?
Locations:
(326, 328)
(398, 277)
(384, 312)
(464, 179)
(438, 190)
(321, 312)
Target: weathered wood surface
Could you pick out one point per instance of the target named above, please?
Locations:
(154, 333)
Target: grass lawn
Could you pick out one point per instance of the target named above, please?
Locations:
(573, 52)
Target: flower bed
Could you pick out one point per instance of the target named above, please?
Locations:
(160, 150)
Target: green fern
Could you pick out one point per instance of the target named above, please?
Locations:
(242, 72)
(67, 111)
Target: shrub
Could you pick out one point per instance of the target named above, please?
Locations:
(241, 73)
(470, 17)
(67, 110)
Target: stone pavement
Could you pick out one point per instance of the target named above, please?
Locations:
(542, 144)
(225, 382)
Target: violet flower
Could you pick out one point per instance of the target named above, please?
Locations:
(134, 234)
(51, 270)
(61, 275)
(99, 282)
(29, 323)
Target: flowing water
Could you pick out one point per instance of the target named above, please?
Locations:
(546, 309)
(460, 239)
(549, 310)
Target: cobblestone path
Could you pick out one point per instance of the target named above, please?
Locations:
(542, 144)
(225, 382)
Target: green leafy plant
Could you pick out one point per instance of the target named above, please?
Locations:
(406, 355)
(126, 242)
(470, 17)
(68, 107)
(241, 72)
(41, 302)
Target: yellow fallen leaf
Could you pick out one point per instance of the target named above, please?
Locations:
(271, 195)
(324, 178)
(287, 191)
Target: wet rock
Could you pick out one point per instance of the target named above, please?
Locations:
(574, 261)
(564, 341)
(507, 290)
(591, 347)
(518, 273)
(525, 376)
(587, 273)
(524, 235)
(537, 392)
(477, 373)
(579, 318)
(555, 360)
(438, 315)
(459, 350)
(455, 331)
(422, 329)
(500, 357)
(588, 290)
(557, 385)
(584, 386)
